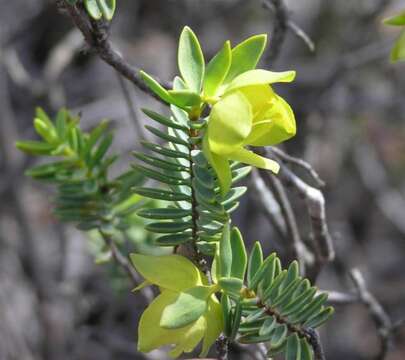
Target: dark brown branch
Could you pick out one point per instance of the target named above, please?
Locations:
(222, 348)
(95, 34)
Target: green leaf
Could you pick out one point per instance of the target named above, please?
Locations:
(239, 256)
(231, 286)
(93, 9)
(396, 20)
(163, 213)
(164, 120)
(168, 227)
(187, 308)
(321, 318)
(185, 98)
(255, 262)
(306, 350)
(269, 262)
(173, 239)
(226, 311)
(159, 163)
(279, 335)
(160, 194)
(156, 88)
(310, 310)
(34, 147)
(246, 55)
(296, 304)
(163, 178)
(273, 290)
(268, 326)
(173, 272)
(398, 51)
(293, 351)
(225, 253)
(166, 137)
(217, 70)
(191, 60)
(164, 151)
(236, 319)
(107, 7)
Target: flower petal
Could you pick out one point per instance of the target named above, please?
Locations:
(220, 164)
(173, 272)
(215, 324)
(229, 123)
(278, 125)
(152, 336)
(259, 77)
(259, 97)
(249, 157)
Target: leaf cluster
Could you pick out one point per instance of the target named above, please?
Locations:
(264, 303)
(85, 193)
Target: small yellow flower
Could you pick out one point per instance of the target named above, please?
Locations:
(249, 113)
(185, 312)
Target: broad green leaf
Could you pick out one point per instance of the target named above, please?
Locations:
(249, 157)
(293, 351)
(215, 325)
(231, 286)
(107, 7)
(246, 55)
(229, 124)
(173, 272)
(185, 98)
(187, 308)
(255, 261)
(396, 20)
(225, 252)
(259, 77)
(152, 336)
(93, 9)
(239, 257)
(217, 70)
(158, 89)
(191, 60)
(306, 350)
(398, 51)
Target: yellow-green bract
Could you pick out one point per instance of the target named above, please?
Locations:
(185, 313)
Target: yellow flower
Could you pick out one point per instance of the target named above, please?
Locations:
(185, 312)
(248, 112)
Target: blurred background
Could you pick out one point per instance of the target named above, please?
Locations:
(56, 303)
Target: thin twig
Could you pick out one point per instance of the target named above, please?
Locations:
(124, 263)
(96, 36)
(279, 28)
(381, 319)
(222, 348)
(315, 202)
(282, 155)
(316, 344)
(132, 111)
